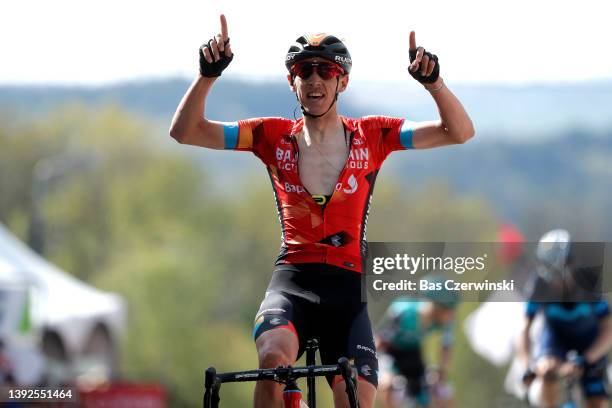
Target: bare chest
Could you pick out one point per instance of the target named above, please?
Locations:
(320, 167)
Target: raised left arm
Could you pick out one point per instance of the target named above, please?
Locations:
(454, 126)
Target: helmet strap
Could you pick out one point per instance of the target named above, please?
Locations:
(310, 115)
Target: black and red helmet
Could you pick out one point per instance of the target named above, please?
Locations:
(319, 45)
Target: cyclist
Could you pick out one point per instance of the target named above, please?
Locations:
(322, 167)
(569, 325)
(405, 325)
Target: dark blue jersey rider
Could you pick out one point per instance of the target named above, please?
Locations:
(576, 334)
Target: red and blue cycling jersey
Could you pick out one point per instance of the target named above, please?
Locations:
(335, 234)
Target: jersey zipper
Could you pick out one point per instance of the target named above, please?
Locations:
(339, 180)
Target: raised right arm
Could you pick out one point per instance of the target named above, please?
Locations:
(189, 124)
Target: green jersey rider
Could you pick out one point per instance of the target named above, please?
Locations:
(399, 339)
(322, 168)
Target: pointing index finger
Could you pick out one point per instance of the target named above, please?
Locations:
(413, 46)
(224, 28)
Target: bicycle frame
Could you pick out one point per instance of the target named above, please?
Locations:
(569, 398)
(311, 349)
(568, 384)
(284, 375)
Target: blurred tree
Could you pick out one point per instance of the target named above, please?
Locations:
(125, 212)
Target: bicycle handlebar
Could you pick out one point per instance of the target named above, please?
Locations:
(213, 380)
(281, 374)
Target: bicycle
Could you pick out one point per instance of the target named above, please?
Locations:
(572, 398)
(292, 395)
(436, 393)
(569, 392)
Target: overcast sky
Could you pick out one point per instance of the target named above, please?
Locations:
(95, 42)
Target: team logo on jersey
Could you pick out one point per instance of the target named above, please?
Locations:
(292, 188)
(366, 348)
(284, 155)
(336, 240)
(365, 370)
(357, 141)
(358, 156)
(353, 185)
(362, 153)
(285, 160)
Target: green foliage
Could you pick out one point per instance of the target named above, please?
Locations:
(125, 213)
(428, 214)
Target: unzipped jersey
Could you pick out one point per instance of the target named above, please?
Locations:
(335, 234)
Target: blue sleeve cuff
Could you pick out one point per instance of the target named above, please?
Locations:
(531, 309)
(230, 135)
(602, 309)
(406, 133)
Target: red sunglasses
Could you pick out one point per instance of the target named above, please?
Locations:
(325, 70)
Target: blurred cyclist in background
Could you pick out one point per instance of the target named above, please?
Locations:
(399, 339)
(570, 325)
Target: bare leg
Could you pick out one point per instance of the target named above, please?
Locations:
(366, 393)
(274, 348)
(547, 368)
(385, 395)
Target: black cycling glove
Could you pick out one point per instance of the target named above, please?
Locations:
(213, 69)
(430, 79)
